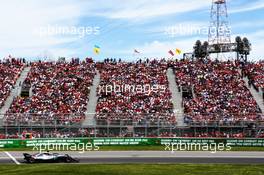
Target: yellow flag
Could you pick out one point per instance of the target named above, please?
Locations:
(97, 49)
(178, 51)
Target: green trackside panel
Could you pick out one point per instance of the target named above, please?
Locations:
(19, 143)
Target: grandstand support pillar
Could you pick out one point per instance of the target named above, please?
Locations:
(158, 127)
(107, 129)
(120, 131)
(55, 125)
(82, 131)
(43, 129)
(95, 130)
(19, 129)
(180, 132)
(6, 133)
(133, 129)
(146, 130)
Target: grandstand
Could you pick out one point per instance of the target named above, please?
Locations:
(199, 98)
(58, 91)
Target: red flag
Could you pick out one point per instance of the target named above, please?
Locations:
(171, 53)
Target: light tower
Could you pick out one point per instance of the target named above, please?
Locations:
(219, 36)
(219, 30)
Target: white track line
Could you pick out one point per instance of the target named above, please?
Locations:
(11, 157)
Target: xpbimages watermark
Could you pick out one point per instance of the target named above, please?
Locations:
(133, 89)
(183, 146)
(80, 31)
(80, 147)
(190, 29)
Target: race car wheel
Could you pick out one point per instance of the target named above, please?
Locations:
(31, 160)
(68, 160)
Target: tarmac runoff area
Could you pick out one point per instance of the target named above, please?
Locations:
(116, 157)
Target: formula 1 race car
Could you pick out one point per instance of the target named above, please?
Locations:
(49, 158)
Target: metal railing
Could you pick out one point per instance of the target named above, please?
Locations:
(134, 120)
(130, 125)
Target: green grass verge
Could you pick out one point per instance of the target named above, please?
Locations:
(132, 169)
(139, 148)
(247, 149)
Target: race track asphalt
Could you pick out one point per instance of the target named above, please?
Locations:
(108, 157)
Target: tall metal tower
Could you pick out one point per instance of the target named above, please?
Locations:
(219, 29)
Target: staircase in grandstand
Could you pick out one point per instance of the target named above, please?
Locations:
(30, 91)
(91, 106)
(176, 98)
(15, 91)
(257, 95)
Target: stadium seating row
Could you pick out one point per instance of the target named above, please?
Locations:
(220, 93)
(10, 70)
(132, 92)
(59, 90)
(136, 92)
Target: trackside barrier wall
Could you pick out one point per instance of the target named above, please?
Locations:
(20, 143)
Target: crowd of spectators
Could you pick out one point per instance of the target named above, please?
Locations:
(219, 92)
(255, 74)
(136, 92)
(60, 93)
(10, 70)
(132, 93)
